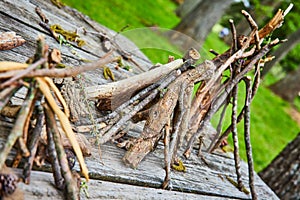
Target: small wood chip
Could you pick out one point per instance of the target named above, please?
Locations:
(9, 40)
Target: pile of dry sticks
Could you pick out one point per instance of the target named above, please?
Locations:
(171, 112)
(165, 102)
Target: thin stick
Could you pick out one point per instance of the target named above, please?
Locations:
(6, 93)
(67, 72)
(241, 114)
(247, 137)
(22, 73)
(219, 127)
(17, 130)
(33, 144)
(40, 13)
(69, 182)
(50, 128)
(65, 123)
(289, 8)
(257, 79)
(234, 36)
(254, 27)
(214, 52)
(23, 147)
(182, 117)
(167, 156)
(235, 137)
(201, 142)
(177, 125)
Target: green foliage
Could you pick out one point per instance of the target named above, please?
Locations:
(292, 60)
(153, 44)
(291, 24)
(297, 103)
(116, 14)
(261, 8)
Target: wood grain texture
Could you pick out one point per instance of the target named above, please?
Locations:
(199, 178)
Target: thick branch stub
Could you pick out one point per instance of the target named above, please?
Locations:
(192, 54)
(114, 94)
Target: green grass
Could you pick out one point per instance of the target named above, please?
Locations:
(271, 127)
(153, 44)
(116, 14)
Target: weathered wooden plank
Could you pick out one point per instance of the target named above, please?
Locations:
(42, 187)
(198, 179)
(22, 53)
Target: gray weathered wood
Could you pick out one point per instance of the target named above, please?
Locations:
(99, 189)
(199, 178)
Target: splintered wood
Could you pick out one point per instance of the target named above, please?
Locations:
(10, 40)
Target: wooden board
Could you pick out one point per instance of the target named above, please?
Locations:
(110, 178)
(107, 167)
(98, 189)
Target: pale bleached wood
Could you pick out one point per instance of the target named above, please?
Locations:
(103, 190)
(119, 92)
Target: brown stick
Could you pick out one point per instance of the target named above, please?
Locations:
(40, 13)
(50, 128)
(17, 130)
(72, 191)
(6, 93)
(167, 155)
(22, 73)
(248, 100)
(235, 138)
(67, 72)
(32, 145)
